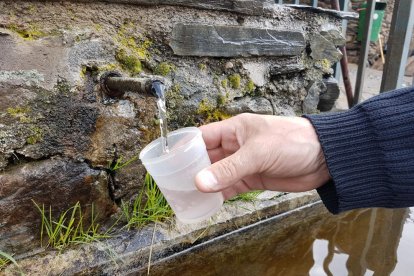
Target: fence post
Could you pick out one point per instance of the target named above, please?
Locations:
(363, 55)
(398, 45)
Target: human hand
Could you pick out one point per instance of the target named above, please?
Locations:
(262, 152)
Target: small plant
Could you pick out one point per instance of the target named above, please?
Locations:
(6, 259)
(69, 228)
(149, 206)
(247, 197)
(114, 166)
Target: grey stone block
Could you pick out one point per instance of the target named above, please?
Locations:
(248, 7)
(234, 41)
(250, 105)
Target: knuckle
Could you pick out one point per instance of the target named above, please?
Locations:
(228, 169)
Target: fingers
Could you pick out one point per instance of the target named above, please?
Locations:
(219, 133)
(227, 172)
(212, 134)
(216, 154)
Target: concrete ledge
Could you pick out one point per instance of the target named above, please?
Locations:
(128, 251)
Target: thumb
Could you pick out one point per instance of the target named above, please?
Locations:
(226, 172)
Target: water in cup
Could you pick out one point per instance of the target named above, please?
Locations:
(173, 160)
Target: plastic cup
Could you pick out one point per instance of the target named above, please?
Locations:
(175, 171)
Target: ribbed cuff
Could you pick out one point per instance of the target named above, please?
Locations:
(354, 160)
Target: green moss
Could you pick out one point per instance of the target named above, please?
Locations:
(174, 98)
(250, 87)
(234, 81)
(221, 100)
(130, 63)
(211, 113)
(164, 69)
(31, 32)
(36, 135)
(18, 111)
(202, 66)
(83, 72)
(21, 113)
(128, 39)
(107, 67)
(224, 83)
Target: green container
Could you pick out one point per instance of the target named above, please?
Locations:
(376, 20)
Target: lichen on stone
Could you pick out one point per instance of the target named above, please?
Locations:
(30, 32)
(35, 136)
(202, 66)
(325, 65)
(174, 102)
(21, 113)
(62, 86)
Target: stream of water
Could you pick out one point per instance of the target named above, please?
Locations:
(162, 114)
(158, 89)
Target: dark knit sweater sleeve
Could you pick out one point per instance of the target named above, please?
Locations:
(369, 151)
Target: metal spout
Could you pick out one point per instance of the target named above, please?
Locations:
(158, 89)
(115, 85)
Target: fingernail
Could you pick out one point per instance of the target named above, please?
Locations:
(208, 180)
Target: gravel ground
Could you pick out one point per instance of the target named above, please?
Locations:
(371, 86)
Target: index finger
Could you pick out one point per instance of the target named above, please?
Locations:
(212, 134)
(219, 133)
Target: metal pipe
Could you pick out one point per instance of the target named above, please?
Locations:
(363, 56)
(344, 65)
(140, 85)
(398, 45)
(346, 78)
(115, 85)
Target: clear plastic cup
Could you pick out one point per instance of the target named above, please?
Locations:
(175, 171)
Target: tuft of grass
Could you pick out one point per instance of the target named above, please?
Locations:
(149, 206)
(247, 197)
(70, 227)
(114, 166)
(6, 259)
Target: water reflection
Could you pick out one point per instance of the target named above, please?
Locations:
(308, 242)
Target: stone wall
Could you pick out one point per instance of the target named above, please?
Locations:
(60, 136)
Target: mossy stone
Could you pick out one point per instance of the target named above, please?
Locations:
(234, 80)
(164, 69)
(129, 63)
